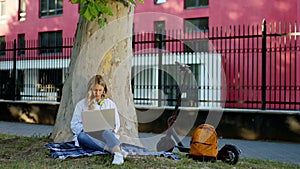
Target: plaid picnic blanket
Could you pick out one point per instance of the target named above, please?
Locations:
(68, 149)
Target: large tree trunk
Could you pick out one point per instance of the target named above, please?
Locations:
(107, 52)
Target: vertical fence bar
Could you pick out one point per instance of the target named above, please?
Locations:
(285, 65)
(243, 74)
(275, 63)
(252, 67)
(14, 76)
(264, 64)
(271, 71)
(295, 68)
(290, 60)
(257, 73)
(160, 75)
(249, 91)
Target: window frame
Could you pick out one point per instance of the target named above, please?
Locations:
(2, 10)
(21, 44)
(197, 25)
(161, 34)
(22, 10)
(49, 80)
(47, 44)
(49, 12)
(21, 80)
(2, 46)
(198, 4)
(159, 2)
(199, 45)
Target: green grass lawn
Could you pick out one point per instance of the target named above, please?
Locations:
(30, 152)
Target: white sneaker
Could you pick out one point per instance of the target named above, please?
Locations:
(124, 153)
(118, 158)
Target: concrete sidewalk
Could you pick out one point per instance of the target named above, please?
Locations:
(275, 151)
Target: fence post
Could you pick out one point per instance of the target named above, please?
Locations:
(264, 64)
(14, 75)
(160, 73)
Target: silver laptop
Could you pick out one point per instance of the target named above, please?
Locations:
(97, 120)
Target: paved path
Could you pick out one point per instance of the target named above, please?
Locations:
(276, 151)
(24, 129)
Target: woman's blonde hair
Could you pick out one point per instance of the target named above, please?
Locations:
(97, 79)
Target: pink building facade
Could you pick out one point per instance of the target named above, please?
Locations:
(30, 17)
(237, 12)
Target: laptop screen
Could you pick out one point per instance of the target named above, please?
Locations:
(96, 120)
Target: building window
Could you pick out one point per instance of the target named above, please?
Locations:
(193, 26)
(199, 45)
(196, 25)
(2, 46)
(20, 80)
(51, 7)
(50, 42)
(4, 84)
(22, 10)
(2, 10)
(159, 1)
(160, 34)
(133, 37)
(21, 44)
(171, 88)
(189, 4)
(49, 80)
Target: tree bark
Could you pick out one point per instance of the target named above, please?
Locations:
(107, 52)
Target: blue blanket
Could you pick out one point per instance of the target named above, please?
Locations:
(68, 149)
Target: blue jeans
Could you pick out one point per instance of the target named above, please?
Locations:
(106, 138)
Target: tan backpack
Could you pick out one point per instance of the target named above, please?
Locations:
(204, 143)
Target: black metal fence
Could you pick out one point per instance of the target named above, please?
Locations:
(34, 71)
(255, 67)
